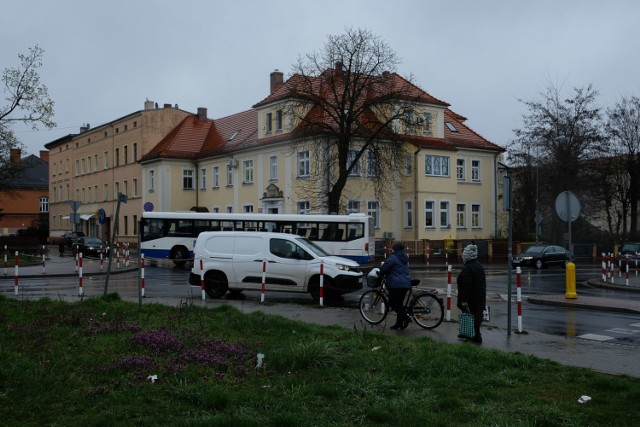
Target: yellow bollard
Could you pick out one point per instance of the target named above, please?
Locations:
(571, 281)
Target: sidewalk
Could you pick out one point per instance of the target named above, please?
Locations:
(571, 351)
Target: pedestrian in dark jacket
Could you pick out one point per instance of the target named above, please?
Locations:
(472, 288)
(396, 268)
(61, 247)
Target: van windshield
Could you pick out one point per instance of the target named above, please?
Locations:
(317, 250)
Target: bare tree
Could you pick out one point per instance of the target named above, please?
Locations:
(623, 129)
(27, 102)
(349, 105)
(560, 133)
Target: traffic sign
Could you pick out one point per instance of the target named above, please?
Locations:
(567, 206)
(148, 207)
(102, 216)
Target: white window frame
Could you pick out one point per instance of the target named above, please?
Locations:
(461, 215)
(229, 175)
(460, 170)
(203, 178)
(273, 168)
(216, 176)
(408, 214)
(247, 171)
(373, 210)
(436, 165)
(247, 208)
(304, 165)
(476, 215)
(303, 206)
(188, 176)
(408, 164)
(152, 180)
(354, 206)
(444, 213)
(356, 171)
(44, 204)
(373, 168)
(475, 170)
(430, 212)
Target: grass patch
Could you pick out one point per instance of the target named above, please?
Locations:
(89, 363)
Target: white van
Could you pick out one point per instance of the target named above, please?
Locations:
(233, 261)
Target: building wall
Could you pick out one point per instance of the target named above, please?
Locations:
(20, 207)
(116, 146)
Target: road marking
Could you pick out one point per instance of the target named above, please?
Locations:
(635, 325)
(624, 331)
(595, 337)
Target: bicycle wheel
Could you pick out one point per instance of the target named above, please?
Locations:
(373, 306)
(426, 310)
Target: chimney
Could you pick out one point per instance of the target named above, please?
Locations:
(167, 105)
(44, 155)
(202, 113)
(148, 105)
(339, 68)
(277, 79)
(15, 155)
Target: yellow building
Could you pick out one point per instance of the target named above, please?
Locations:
(446, 188)
(92, 167)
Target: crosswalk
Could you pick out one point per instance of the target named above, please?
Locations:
(630, 333)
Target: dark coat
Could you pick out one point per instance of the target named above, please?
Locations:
(472, 286)
(396, 268)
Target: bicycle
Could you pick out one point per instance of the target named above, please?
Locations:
(423, 306)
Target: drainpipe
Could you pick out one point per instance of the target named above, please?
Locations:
(415, 194)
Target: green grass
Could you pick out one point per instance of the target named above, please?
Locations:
(88, 363)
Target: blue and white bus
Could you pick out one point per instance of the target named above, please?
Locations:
(172, 235)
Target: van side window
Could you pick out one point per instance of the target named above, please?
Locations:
(281, 248)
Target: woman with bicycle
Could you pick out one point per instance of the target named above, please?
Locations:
(396, 268)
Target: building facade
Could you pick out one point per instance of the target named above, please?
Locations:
(26, 198)
(446, 188)
(90, 168)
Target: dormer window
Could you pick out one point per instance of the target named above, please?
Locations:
(268, 123)
(233, 136)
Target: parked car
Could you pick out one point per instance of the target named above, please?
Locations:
(89, 246)
(70, 236)
(630, 251)
(541, 256)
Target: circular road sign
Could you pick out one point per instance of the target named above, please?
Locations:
(148, 207)
(567, 206)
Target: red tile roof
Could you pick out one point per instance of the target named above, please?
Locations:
(187, 140)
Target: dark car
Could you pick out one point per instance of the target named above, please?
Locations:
(69, 237)
(541, 256)
(89, 246)
(630, 251)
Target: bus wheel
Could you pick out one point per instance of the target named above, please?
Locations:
(215, 284)
(180, 256)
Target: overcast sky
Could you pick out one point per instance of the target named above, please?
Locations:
(103, 59)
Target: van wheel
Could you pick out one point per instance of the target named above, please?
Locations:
(216, 285)
(180, 256)
(314, 288)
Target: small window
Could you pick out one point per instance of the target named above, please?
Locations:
(451, 127)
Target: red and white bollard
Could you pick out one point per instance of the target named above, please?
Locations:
(264, 279)
(15, 287)
(519, 296)
(5, 260)
(101, 258)
(612, 266)
(117, 255)
(42, 259)
(142, 274)
(626, 272)
(126, 257)
(76, 257)
(321, 284)
(80, 288)
(449, 294)
(202, 279)
(604, 268)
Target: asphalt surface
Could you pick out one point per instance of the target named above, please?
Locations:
(589, 353)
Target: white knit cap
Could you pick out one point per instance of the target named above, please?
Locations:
(470, 252)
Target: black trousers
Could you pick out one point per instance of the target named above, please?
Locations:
(396, 301)
(477, 321)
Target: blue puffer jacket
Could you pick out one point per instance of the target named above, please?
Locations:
(396, 268)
